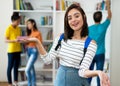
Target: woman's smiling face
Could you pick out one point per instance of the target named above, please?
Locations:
(75, 19)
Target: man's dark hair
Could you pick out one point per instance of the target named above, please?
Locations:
(15, 16)
(97, 16)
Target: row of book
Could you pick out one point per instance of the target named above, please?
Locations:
(63, 4)
(25, 5)
(23, 20)
(22, 5)
(49, 35)
(46, 20)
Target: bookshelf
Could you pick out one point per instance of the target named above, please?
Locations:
(43, 13)
(53, 11)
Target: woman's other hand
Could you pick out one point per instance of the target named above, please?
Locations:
(104, 79)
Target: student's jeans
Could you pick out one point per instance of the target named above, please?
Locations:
(13, 62)
(30, 70)
(68, 76)
(99, 60)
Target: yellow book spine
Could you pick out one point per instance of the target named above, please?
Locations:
(63, 4)
(17, 5)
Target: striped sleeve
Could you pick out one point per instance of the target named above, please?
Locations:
(52, 54)
(91, 50)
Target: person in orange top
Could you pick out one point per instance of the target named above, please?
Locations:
(32, 51)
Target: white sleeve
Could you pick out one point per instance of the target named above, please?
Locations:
(91, 50)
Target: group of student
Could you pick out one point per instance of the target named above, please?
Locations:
(76, 68)
(14, 39)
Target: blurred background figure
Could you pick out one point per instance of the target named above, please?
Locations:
(97, 32)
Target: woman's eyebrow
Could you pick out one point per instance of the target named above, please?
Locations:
(74, 14)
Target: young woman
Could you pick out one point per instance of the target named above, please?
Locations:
(32, 51)
(70, 73)
(14, 48)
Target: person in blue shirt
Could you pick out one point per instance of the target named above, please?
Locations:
(97, 32)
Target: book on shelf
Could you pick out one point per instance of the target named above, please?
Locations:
(49, 47)
(46, 20)
(47, 66)
(28, 6)
(17, 4)
(50, 20)
(63, 4)
(50, 35)
(23, 19)
(22, 5)
(60, 5)
(23, 32)
(57, 5)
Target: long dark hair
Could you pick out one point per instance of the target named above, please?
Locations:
(34, 26)
(68, 30)
(15, 16)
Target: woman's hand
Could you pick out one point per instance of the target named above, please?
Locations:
(22, 39)
(32, 39)
(104, 79)
(26, 39)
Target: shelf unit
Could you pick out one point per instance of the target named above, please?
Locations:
(46, 27)
(57, 25)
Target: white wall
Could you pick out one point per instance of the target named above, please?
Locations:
(5, 14)
(115, 44)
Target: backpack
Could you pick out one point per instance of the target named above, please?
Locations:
(87, 42)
